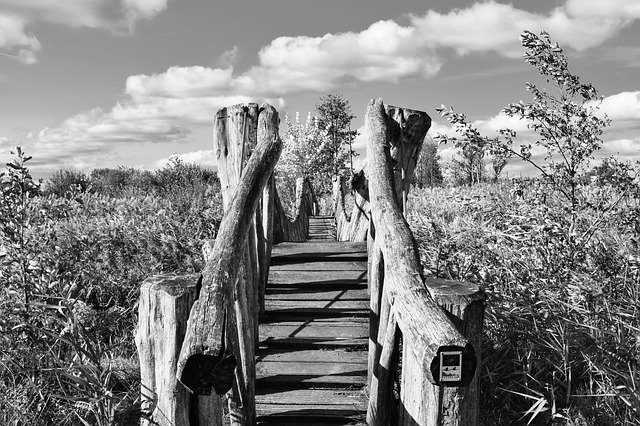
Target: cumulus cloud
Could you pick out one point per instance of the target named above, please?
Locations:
(622, 106)
(389, 52)
(386, 51)
(164, 106)
(15, 40)
(492, 26)
(118, 17)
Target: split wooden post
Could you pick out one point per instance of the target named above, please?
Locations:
(165, 302)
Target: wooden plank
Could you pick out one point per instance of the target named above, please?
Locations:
(325, 321)
(293, 294)
(317, 248)
(314, 328)
(312, 279)
(313, 356)
(312, 368)
(317, 304)
(345, 265)
(327, 403)
(299, 343)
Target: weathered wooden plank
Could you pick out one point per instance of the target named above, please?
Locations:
(312, 279)
(312, 356)
(343, 265)
(321, 250)
(332, 400)
(332, 319)
(299, 343)
(314, 328)
(328, 305)
(294, 294)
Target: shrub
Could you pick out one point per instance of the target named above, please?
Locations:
(67, 183)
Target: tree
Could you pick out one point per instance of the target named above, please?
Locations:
(334, 117)
(565, 120)
(468, 167)
(306, 153)
(428, 171)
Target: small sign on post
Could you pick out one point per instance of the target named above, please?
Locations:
(451, 366)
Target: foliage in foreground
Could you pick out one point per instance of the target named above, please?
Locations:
(562, 326)
(71, 267)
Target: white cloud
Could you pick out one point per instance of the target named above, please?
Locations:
(628, 148)
(115, 16)
(386, 51)
(492, 26)
(164, 106)
(14, 38)
(622, 106)
(502, 121)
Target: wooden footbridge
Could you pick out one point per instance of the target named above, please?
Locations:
(310, 320)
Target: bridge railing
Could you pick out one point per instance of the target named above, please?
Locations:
(433, 325)
(214, 351)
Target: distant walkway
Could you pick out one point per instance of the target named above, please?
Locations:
(312, 361)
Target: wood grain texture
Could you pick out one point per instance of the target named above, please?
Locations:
(425, 328)
(296, 229)
(214, 314)
(312, 361)
(163, 311)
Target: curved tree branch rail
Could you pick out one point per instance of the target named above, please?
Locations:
(354, 226)
(295, 230)
(402, 305)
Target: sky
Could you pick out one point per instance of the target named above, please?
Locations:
(86, 84)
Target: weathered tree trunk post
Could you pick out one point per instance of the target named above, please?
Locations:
(407, 129)
(221, 320)
(165, 303)
(435, 351)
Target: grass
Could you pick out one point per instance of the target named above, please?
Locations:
(562, 325)
(72, 259)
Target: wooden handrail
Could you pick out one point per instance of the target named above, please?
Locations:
(404, 303)
(295, 230)
(214, 334)
(355, 225)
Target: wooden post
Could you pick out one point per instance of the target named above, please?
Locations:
(216, 323)
(165, 302)
(425, 403)
(430, 340)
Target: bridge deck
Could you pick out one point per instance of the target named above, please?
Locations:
(312, 360)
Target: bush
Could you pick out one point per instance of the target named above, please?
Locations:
(67, 183)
